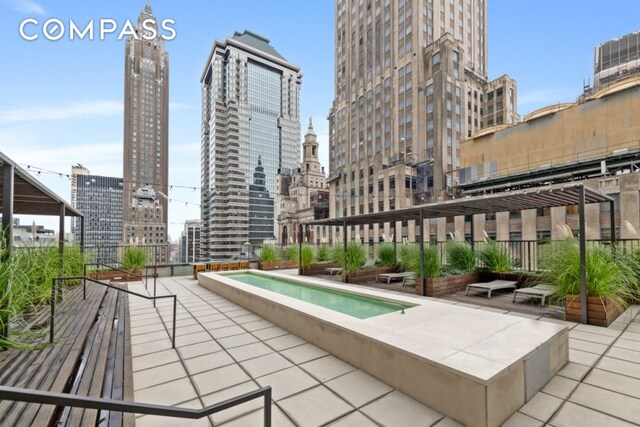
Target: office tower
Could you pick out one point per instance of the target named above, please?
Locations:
(190, 241)
(302, 196)
(146, 133)
(410, 84)
(99, 198)
(250, 130)
(616, 59)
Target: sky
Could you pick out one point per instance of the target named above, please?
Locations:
(61, 102)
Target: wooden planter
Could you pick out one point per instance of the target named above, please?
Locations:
(113, 276)
(439, 286)
(317, 269)
(277, 265)
(368, 274)
(600, 311)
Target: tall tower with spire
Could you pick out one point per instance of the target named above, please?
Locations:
(146, 137)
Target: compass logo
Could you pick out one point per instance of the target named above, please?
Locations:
(54, 29)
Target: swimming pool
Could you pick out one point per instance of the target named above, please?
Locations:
(354, 305)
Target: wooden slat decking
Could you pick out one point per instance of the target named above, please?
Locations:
(91, 356)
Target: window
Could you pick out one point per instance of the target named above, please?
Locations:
(436, 58)
(392, 183)
(381, 185)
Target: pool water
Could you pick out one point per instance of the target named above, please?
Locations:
(354, 305)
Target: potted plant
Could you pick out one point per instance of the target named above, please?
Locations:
(609, 282)
(270, 260)
(386, 255)
(460, 257)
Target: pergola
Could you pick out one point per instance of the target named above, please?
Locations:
(23, 194)
(532, 198)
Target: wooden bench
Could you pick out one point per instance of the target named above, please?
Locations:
(90, 356)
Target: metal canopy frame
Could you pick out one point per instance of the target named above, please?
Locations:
(531, 198)
(21, 193)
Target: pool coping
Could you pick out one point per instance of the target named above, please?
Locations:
(547, 347)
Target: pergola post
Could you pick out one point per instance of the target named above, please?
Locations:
(7, 231)
(473, 234)
(82, 235)
(300, 249)
(344, 243)
(612, 219)
(583, 255)
(422, 286)
(61, 237)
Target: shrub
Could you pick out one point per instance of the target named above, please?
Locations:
(356, 257)
(410, 260)
(408, 256)
(336, 254)
(460, 256)
(386, 255)
(134, 259)
(306, 255)
(322, 253)
(269, 254)
(494, 257)
(607, 277)
(292, 253)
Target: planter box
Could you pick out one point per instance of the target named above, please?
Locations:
(368, 274)
(277, 265)
(317, 269)
(600, 311)
(113, 276)
(447, 285)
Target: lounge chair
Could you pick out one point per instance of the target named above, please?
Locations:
(538, 291)
(388, 277)
(370, 263)
(332, 270)
(492, 286)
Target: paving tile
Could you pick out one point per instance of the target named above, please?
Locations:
(170, 393)
(634, 328)
(287, 382)
(303, 353)
(620, 367)
(249, 351)
(150, 347)
(227, 331)
(358, 388)
(153, 421)
(354, 419)
(158, 326)
(614, 382)
(151, 320)
(587, 336)
(587, 346)
(256, 419)
(315, 407)
(631, 336)
(210, 318)
(218, 324)
(198, 337)
(327, 368)
(237, 340)
(447, 422)
(229, 393)
(247, 318)
(266, 364)
(268, 333)
(624, 354)
(597, 330)
(583, 357)
(190, 329)
(608, 402)
(628, 344)
(158, 375)
(198, 349)
(572, 415)
(220, 378)
(207, 362)
(284, 342)
(151, 336)
(575, 371)
(521, 420)
(560, 386)
(397, 409)
(257, 325)
(541, 406)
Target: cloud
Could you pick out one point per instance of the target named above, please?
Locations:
(26, 6)
(68, 111)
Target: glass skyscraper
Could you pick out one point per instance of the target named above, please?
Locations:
(250, 130)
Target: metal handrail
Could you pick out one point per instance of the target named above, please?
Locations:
(54, 286)
(72, 400)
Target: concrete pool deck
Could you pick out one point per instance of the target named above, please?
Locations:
(476, 367)
(218, 339)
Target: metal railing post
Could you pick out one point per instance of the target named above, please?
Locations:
(52, 319)
(267, 408)
(154, 290)
(173, 335)
(146, 276)
(84, 282)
